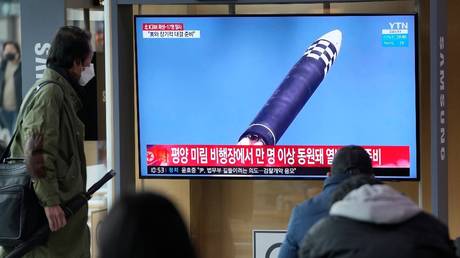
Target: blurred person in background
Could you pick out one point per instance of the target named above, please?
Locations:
(144, 225)
(10, 84)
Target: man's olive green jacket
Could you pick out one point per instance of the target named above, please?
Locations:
(52, 112)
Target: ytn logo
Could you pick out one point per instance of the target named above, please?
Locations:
(41, 53)
(399, 25)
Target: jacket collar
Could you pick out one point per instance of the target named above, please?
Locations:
(61, 77)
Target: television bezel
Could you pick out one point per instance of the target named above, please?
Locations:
(280, 177)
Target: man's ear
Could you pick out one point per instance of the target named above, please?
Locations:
(328, 174)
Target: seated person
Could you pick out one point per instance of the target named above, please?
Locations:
(369, 219)
(349, 160)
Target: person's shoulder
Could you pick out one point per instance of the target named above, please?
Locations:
(435, 234)
(49, 91)
(318, 201)
(424, 219)
(311, 208)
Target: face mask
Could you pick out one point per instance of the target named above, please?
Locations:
(86, 75)
(10, 56)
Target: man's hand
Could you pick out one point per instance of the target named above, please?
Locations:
(56, 217)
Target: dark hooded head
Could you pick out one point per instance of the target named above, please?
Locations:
(351, 160)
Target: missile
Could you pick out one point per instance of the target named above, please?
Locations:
(294, 91)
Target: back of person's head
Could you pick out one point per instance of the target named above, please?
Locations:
(351, 160)
(352, 183)
(144, 225)
(71, 44)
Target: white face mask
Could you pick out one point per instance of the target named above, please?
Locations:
(86, 75)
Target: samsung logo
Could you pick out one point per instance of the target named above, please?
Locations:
(442, 101)
(41, 53)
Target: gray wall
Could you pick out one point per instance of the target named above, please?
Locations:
(39, 22)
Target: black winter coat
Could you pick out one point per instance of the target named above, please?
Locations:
(422, 236)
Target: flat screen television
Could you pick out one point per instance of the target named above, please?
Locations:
(274, 96)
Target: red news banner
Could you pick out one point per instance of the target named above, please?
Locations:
(264, 160)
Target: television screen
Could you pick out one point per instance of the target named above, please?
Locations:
(274, 97)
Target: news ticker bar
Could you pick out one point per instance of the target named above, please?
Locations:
(250, 156)
(260, 171)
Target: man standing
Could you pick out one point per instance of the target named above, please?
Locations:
(50, 111)
(10, 84)
(349, 160)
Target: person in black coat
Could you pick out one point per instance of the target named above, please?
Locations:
(349, 160)
(369, 219)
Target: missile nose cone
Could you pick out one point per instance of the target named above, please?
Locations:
(335, 37)
(326, 49)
